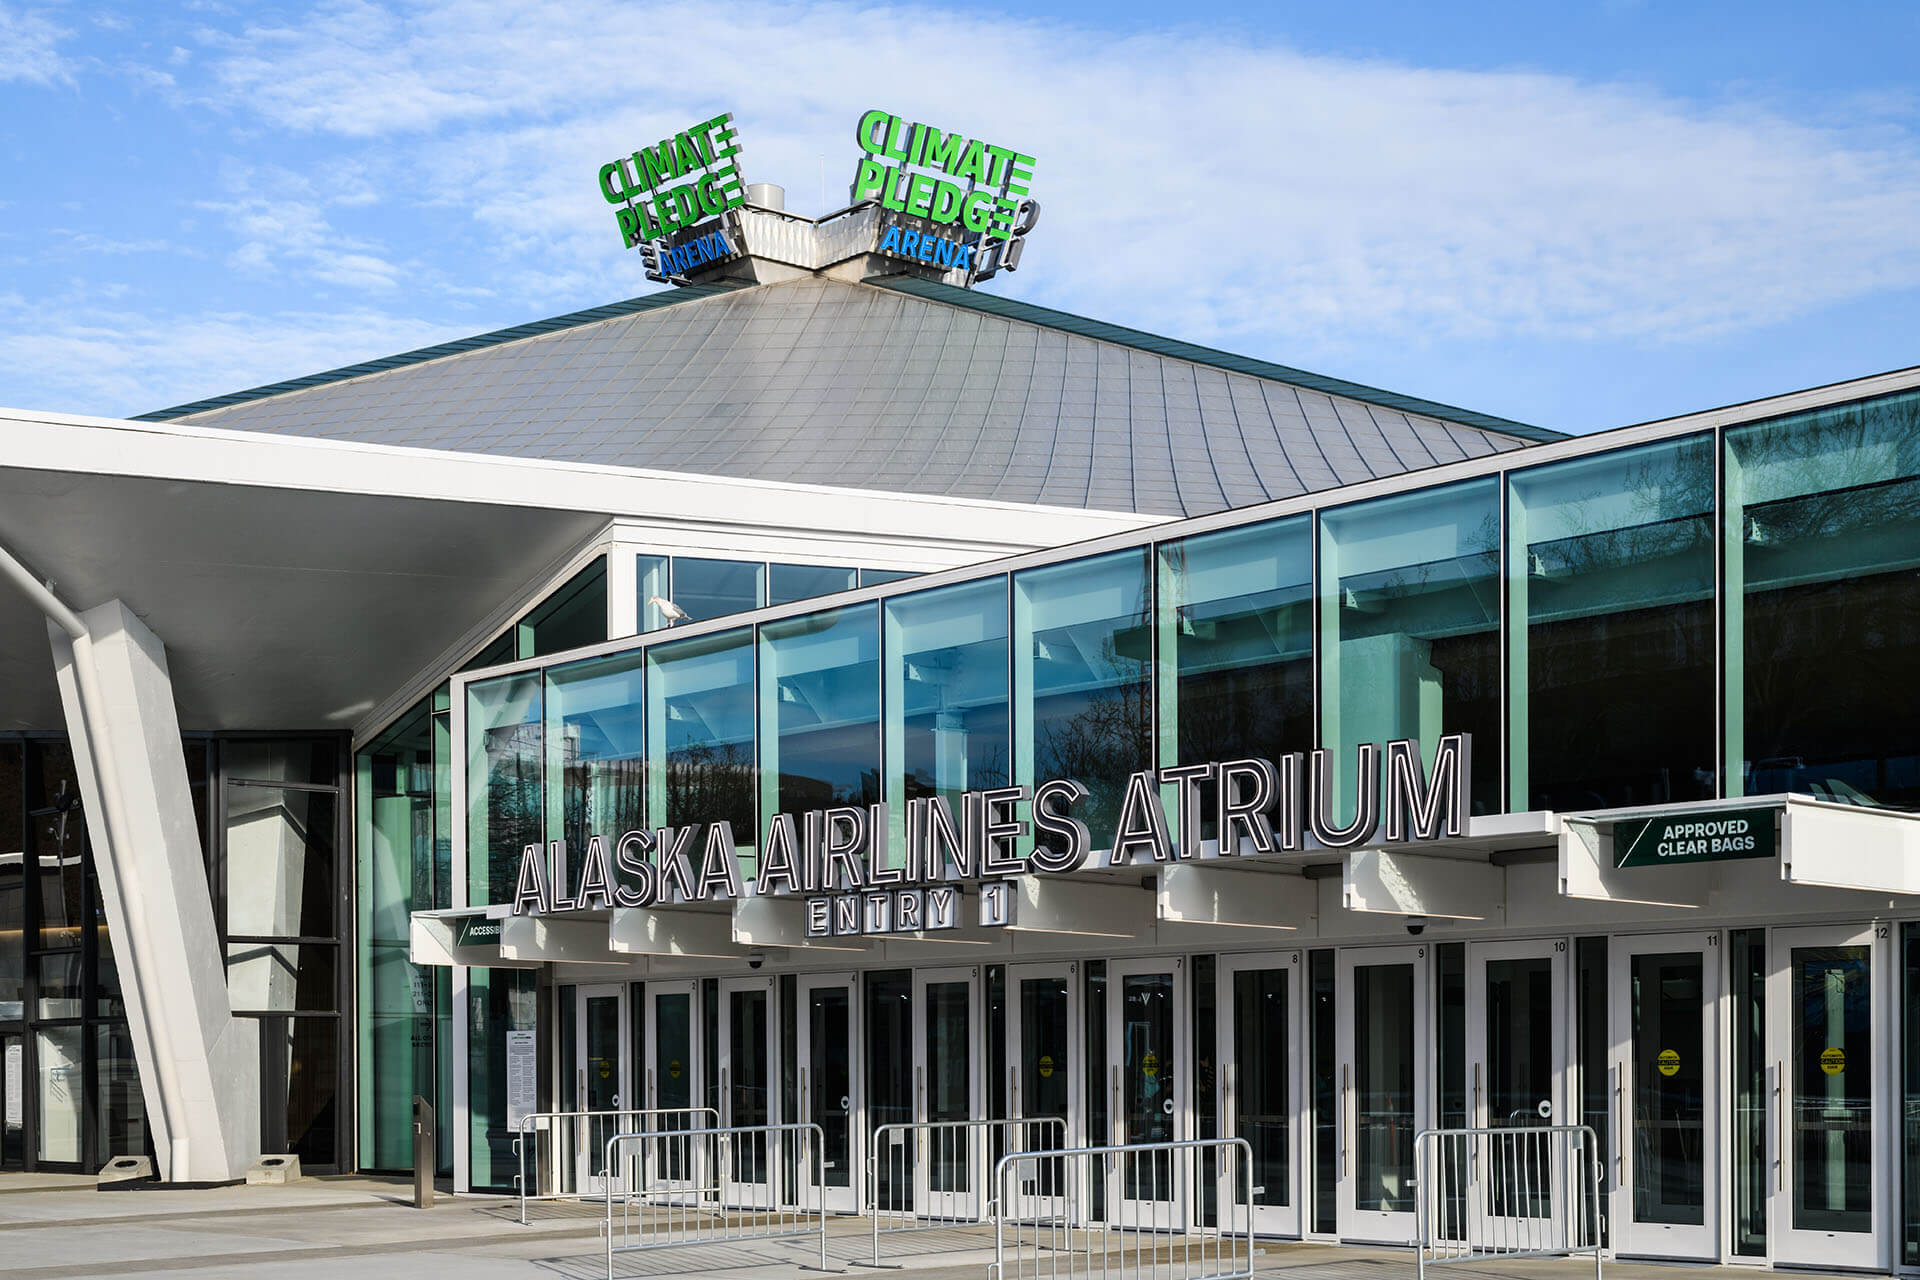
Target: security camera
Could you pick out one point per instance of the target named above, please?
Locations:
(755, 959)
(1416, 925)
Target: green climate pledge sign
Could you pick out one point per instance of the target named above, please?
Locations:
(1715, 835)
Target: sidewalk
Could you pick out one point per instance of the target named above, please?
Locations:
(366, 1229)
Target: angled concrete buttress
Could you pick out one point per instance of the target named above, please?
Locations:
(199, 1065)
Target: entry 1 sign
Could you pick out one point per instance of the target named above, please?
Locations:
(1715, 835)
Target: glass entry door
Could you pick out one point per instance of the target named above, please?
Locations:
(1261, 1087)
(829, 1083)
(1147, 1056)
(1518, 1077)
(1386, 1081)
(748, 1097)
(676, 1082)
(1044, 1072)
(1824, 1022)
(600, 1087)
(949, 1159)
(1666, 1095)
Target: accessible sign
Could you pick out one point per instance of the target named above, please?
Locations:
(1717, 835)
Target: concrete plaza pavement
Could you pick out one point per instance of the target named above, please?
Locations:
(61, 1228)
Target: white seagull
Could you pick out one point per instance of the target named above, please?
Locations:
(669, 610)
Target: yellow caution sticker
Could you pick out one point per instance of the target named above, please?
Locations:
(1669, 1062)
(1833, 1061)
(1151, 1063)
(673, 1068)
(1046, 1065)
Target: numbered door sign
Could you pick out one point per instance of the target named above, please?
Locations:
(996, 904)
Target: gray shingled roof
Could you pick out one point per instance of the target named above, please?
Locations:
(890, 385)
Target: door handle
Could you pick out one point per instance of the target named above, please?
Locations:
(1347, 1117)
(806, 1099)
(1780, 1119)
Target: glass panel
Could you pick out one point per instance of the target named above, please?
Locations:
(792, 582)
(820, 710)
(499, 650)
(59, 830)
(301, 1081)
(280, 861)
(1046, 1066)
(60, 994)
(1747, 953)
(1831, 1021)
(1203, 993)
(1410, 616)
(1262, 1059)
(1520, 1066)
(1611, 564)
(652, 587)
(315, 761)
(1383, 1073)
(1823, 552)
(949, 1076)
(59, 1092)
(946, 674)
(503, 782)
(830, 1035)
(397, 854)
(603, 1053)
(1669, 1090)
(13, 1102)
(748, 1079)
(713, 588)
(594, 758)
(875, 577)
(1322, 1031)
(500, 1000)
(281, 977)
(673, 1050)
(887, 1022)
(1081, 658)
(568, 1007)
(700, 708)
(1593, 1043)
(1450, 980)
(574, 615)
(13, 889)
(1236, 646)
(1910, 1109)
(1147, 1094)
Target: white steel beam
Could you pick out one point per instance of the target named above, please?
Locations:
(1190, 893)
(1395, 882)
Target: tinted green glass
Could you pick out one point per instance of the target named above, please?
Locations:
(1410, 628)
(1822, 539)
(651, 585)
(1082, 652)
(820, 710)
(596, 769)
(700, 707)
(1610, 579)
(504, 734)
(574, 615)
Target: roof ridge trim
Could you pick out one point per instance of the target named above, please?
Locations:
(457, 346)
(1140, 340)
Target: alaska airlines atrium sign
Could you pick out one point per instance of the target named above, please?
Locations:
(840, 860)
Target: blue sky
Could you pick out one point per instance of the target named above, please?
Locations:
(1578, 215)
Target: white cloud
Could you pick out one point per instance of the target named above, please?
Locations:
(30, 48)
(101, 361)
(1205, 187)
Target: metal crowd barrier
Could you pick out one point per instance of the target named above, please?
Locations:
(568, 1141)
(934, 1173)
(763, 1182)
(1526, 1191)
(1169, 1211)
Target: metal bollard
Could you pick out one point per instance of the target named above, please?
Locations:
(424, 1157)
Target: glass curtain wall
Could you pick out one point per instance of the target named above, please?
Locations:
(1822, 543)
(573, 616)
(596, 771)
(1410, 627)
(790, 582)
(1235, 624)
(504, 730)
(1610, 567)
(395, 807)
(947, 711)
(700, 718)
(498, 1001)
(820, 711)
(1082, 653)
(712, 588)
